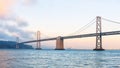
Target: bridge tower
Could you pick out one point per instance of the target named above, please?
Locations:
(38, 42)
(17, 41)
(59, 43)
(98, 34)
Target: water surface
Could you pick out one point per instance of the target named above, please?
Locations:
(59, 59)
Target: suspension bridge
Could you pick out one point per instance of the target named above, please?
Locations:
(60, 39)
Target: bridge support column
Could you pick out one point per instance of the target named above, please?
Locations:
(17, 41)
(98, 35)
(59, 43)
(38, 42)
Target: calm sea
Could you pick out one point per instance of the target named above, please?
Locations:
(59, 59)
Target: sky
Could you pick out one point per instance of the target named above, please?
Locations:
(23, 18)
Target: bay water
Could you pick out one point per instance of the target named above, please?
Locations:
(17, 58)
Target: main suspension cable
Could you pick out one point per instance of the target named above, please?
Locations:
(111, 21)
(84, 27)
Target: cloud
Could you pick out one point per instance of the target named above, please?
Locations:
(29, 2)
(21, 23)
(9, 32)
(5, 6)
(10, 23)
(4, 35)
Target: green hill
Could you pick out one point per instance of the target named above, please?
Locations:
(12, 45)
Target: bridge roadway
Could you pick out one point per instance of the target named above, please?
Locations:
(77, 36)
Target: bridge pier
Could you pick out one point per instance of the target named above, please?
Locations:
(59, 43)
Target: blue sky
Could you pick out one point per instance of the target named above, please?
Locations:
(61, 17)
(50, 15)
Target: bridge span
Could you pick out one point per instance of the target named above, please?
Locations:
(62, 38)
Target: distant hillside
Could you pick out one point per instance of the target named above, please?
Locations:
(12, 45)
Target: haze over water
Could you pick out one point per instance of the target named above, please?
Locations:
(59, 59)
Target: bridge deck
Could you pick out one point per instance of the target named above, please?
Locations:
(77, 36)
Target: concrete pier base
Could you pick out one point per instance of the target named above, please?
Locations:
(59, 43)
(38, 48)
(101, 49)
